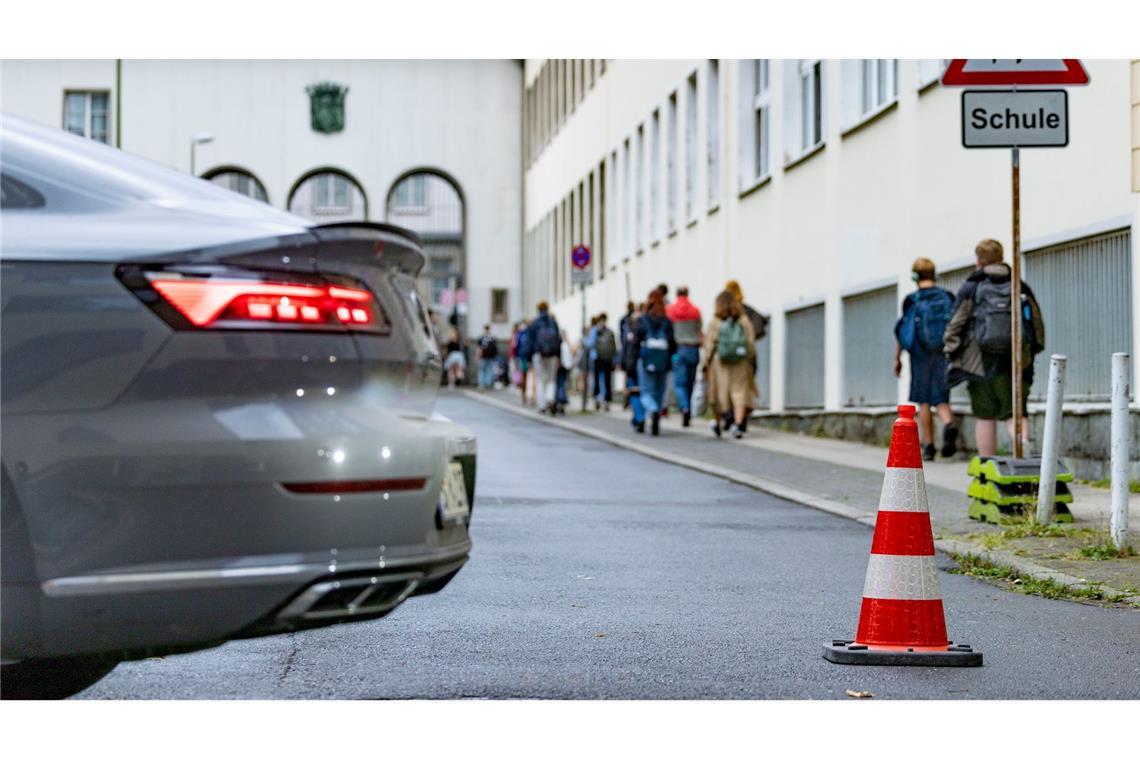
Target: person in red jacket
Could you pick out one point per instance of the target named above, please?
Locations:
(686, 319)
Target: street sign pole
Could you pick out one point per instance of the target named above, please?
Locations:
(585, 352)
(1015, 303)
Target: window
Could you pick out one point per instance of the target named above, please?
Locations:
(654, 176)
(713, 136)
(879, 83)
(691, 147)
(86, 113)
(671, 162)
(411, 194)
(811, 102)
(804, 358)
(499, 310)
(329, 193)
(332, 193)
(240, 182)
(867, 338)
(1087, 330)
(804, 113)
(930, 71)
(761, 107)
(626, 237)
(603, 220)
(638, 177)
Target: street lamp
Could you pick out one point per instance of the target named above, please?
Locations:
(199, 139)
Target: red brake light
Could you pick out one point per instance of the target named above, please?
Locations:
(231, 302)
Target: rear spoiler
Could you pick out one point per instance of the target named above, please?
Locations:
(396, 247)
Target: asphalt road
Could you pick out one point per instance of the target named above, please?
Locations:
(598, 573)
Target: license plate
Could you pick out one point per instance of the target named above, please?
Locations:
(453, 506)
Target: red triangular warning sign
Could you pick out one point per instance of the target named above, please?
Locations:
(1012, 71)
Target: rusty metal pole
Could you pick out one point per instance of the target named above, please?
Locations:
(1015, 306)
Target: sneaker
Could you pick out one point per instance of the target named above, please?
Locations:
(639, 427)
(928, 452)
(655, 425)
(737, 432)
(949, 440)
(606, 407)
(714, 426)
(686, 417)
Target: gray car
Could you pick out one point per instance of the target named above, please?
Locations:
(218, 418)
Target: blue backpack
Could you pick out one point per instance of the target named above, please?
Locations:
(925, 322)
(655, 347)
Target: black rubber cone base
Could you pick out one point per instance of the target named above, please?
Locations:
(847, 652)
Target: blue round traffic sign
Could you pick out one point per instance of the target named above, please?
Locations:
(580, 257)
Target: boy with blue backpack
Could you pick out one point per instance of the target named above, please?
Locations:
(919, 331)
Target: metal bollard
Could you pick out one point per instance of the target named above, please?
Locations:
(1047, 488)
(1118, 526)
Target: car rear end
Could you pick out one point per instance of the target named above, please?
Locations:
(226, 430)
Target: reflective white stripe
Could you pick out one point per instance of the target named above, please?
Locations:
(892, 576)
(904, 490)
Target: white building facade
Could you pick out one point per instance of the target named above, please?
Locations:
(429, 145)
(815, 184)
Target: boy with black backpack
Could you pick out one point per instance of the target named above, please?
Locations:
(925, 314)
(605, 350)
(979, 347)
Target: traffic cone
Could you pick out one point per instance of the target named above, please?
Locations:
(901, 621)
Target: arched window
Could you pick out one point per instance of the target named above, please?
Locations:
(329, 195)
(238, 180)
(430, 204)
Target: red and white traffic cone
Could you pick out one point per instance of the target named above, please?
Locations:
(901, 621)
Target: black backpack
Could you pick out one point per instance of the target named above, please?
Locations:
(992, 317)
(992, 328)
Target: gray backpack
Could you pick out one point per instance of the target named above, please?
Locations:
(992, 329)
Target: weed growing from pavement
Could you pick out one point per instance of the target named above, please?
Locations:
(971, 564)
(1133, 485)
(1105, 550)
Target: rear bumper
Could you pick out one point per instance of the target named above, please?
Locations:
(142, 546)
(134, 614)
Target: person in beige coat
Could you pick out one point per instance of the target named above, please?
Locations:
(730, 347)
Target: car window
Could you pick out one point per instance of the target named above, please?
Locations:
(16, 194)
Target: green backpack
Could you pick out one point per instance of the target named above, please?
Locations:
(732, 342)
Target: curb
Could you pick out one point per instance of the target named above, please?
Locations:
(946, 545)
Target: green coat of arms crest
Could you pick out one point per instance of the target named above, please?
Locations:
(326, 106)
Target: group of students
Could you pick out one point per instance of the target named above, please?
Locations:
(949, 339)
(659, 337)
(968, 338)
(654, 338)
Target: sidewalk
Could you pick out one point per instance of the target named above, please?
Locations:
(845, 478)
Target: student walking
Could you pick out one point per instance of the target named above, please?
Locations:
(686, 319)
(978, 345)
(630, 359)
(604, 347)
(919, 331)
(488, 357)
(546, 338)
(456, 361)
(624, 336)
(657, 346)
(730, 350)
(759, 324)
(522, 348)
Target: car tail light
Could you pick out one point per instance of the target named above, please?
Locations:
(249, 300)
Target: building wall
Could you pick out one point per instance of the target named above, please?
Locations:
(847, 218)
(462, 118)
